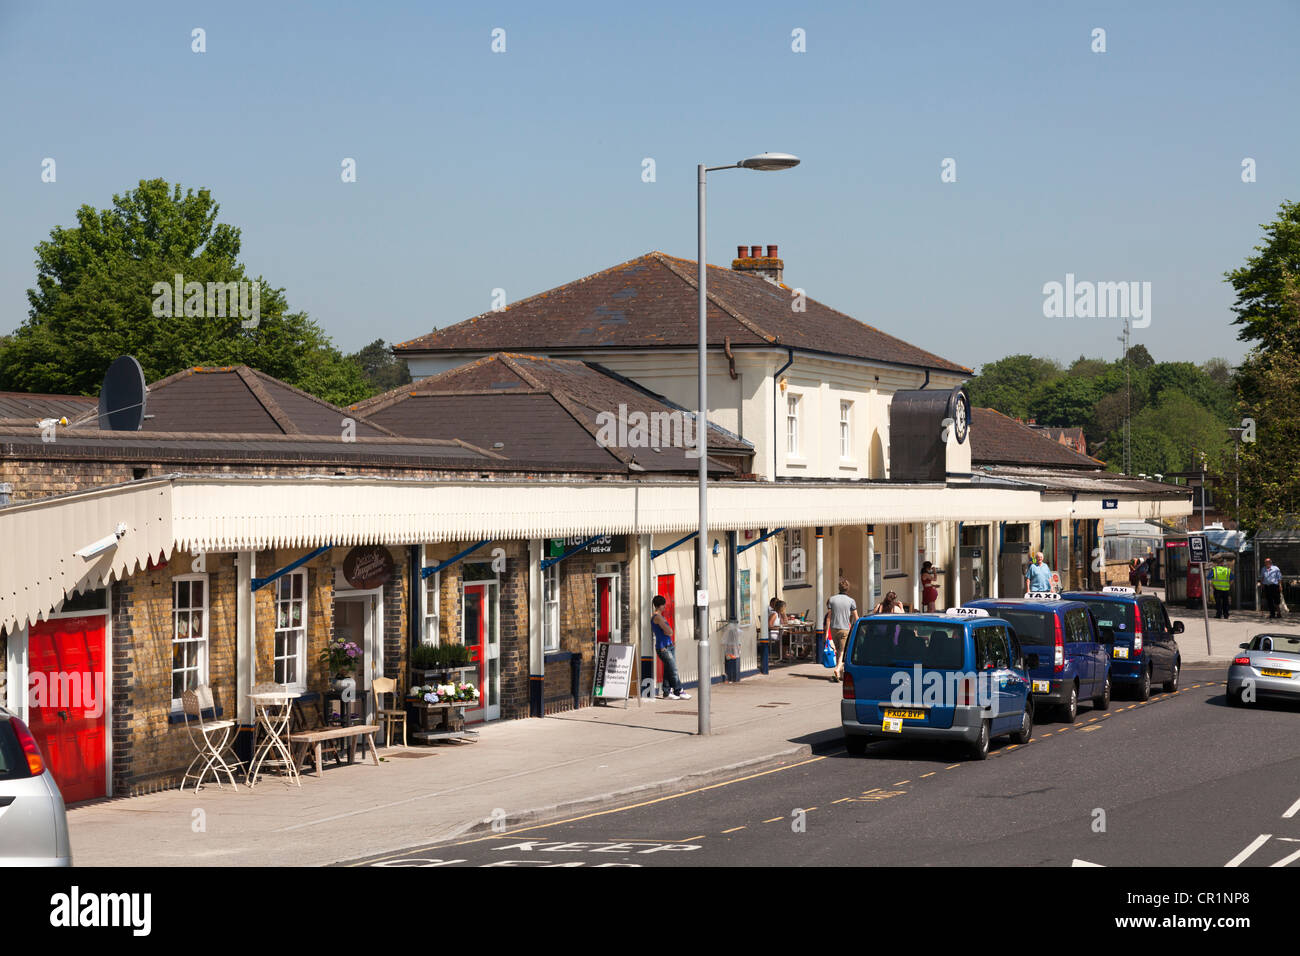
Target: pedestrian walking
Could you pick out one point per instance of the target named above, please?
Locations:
(1271, 582)
(929, 593)
(1135, 575)
(842, 610)
(1221, 577)
(1039, 575)
(664, 647)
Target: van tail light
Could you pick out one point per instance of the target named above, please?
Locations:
(1137, 630)
(849, 692)
(35, 762)
(1058, 659)
(966, 692)
(1241, 660)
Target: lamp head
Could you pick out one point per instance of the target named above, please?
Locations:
(769, 161)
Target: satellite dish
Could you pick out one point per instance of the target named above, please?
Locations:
(122, 396)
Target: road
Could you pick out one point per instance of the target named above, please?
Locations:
(1181, 780)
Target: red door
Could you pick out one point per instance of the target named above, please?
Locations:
(475, 624)
(67, 706)
(667, 587)
(603, 616)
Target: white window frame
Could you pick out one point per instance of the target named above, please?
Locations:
(301, 652)
(202, 672)
(790, 539)
(551, 607)
(431, 633)
(846, 429)
(893, 561)
(793, 401)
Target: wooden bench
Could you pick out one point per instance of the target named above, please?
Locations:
(314, 738)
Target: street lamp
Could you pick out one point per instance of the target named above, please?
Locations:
(766, 162)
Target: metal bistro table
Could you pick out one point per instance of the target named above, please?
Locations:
(274, 709)
(800, 640)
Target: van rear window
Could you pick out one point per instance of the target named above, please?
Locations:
(891, 644)
(1032, 627)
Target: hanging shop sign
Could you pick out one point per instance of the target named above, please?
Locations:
(368, 566)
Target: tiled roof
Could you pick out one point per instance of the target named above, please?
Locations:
(999, 440)
(236, 399)
(535, 410)
(33, 406)
(652, 302)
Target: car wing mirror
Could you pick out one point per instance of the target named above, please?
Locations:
(1245, 646)
(1106, 635)
(1031, 661)
(1178, 627)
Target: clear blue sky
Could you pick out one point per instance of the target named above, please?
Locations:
(522, 170)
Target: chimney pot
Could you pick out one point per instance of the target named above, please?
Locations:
(756, 252)
(771, 252)
(742, 252)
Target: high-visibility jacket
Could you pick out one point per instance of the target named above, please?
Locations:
(1221, 577)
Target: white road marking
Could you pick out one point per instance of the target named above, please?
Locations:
(1288, 859)
(1255, 844)
(1295, 808)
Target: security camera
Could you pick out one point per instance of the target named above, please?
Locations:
(103, 544)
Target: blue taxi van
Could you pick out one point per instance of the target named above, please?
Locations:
(1075, 662)
(959, 676)
(1143, 648)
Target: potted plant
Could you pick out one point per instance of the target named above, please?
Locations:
(437, 663)
(339, 659)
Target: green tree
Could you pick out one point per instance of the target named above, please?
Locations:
(381, 369)
(1170, 434)
(1265, 284)
(95, 299)
(1064, 402)
(1007, 383)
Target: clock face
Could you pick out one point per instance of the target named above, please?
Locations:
(960, 419)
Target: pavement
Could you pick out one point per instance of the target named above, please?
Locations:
(517, 772)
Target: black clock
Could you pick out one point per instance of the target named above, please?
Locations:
(959, 412)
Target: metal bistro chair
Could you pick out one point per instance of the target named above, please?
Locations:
(388, 716)
(212, 740)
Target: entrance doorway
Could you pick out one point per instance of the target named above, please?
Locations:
(609, 624)
(481, 634)
(68, 703)
(356, 618)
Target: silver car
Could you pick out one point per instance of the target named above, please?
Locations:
(33, 823)
(1269, 666)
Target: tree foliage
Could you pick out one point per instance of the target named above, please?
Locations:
(380, 368)
(95, 300)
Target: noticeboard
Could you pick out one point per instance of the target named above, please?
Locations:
(613, 679)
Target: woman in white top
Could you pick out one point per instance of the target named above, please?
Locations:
(775, 618)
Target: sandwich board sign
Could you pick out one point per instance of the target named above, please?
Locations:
(614, 663)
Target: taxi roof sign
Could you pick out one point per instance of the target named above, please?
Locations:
(966, 612)
(1117, 589)
(1043, 596)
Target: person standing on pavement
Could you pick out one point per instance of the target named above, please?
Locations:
(1271, 582)
(929, 593)
(1221, 579)
(664, 647)
(842, 610)
(1039, 576)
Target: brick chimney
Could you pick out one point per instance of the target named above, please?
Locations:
(751, 260)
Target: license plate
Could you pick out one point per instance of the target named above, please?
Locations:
(891, 714)
(1121, 652)
(893, 725)
(1042, 686)
(1270, 672)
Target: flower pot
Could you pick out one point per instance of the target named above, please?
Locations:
(345, 687)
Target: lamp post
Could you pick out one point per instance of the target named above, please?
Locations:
(766, 162)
